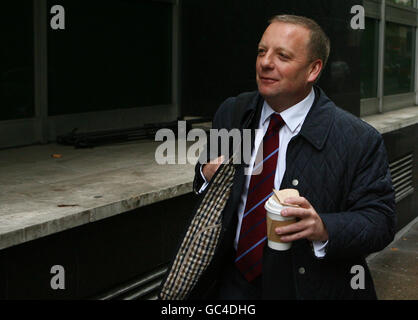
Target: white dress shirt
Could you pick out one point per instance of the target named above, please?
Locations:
(293, 118)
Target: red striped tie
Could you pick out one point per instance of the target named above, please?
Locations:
(253, 227)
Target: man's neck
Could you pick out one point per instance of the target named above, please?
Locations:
(280, 104)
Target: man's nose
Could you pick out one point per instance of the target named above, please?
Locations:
(267, 61)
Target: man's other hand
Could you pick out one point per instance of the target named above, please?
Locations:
(210, 168)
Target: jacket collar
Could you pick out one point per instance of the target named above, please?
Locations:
(319, 120)
(316, 126)
(293, 117)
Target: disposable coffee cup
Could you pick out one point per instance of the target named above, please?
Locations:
(275, 220)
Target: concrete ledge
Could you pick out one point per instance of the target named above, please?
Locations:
(393, 120)
(42, 195)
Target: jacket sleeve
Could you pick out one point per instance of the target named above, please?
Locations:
(221, 120)
(368, 224)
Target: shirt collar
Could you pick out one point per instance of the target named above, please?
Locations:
(293, 116)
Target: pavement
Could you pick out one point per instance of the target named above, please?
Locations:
(395, 268)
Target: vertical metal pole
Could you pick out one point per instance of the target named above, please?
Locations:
(176, 59)
(41, 68)
(381, 56)
(416, 66)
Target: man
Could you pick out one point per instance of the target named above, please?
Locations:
(337, 162)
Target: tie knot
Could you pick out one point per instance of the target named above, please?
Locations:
(276, 122)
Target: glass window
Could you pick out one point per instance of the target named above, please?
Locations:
(369, 59)
(111, 55)
(399, 66)
(408, 3)
(16, 60)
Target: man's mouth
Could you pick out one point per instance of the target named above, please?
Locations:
(268, 80)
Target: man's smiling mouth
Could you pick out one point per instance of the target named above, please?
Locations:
(268, 80)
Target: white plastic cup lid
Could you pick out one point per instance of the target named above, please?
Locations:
(273, 207)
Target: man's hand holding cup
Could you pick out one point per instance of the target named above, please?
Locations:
(291, 217)
(309, 225)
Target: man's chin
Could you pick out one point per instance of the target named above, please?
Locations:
(268, 93)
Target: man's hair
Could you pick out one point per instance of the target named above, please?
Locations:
(319, 45)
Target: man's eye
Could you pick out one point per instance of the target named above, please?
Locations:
(260, 51)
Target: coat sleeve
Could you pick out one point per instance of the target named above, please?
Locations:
(368, 224)
(221, 120)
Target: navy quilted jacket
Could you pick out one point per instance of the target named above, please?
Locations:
(341, 166)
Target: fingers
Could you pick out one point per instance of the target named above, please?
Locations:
(296, 212)
(294, 231)
(296, 236)
(291, 228)
(300, 201)
(310, 226)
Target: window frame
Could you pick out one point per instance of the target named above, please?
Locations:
(383, 12)
(43, 128)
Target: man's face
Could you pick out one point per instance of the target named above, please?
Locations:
(282, 63)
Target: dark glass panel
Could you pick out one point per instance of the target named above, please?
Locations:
(399, 59)
(369, 59)
(16, 60)
(111, 55)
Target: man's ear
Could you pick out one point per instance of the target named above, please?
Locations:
(315, 70)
